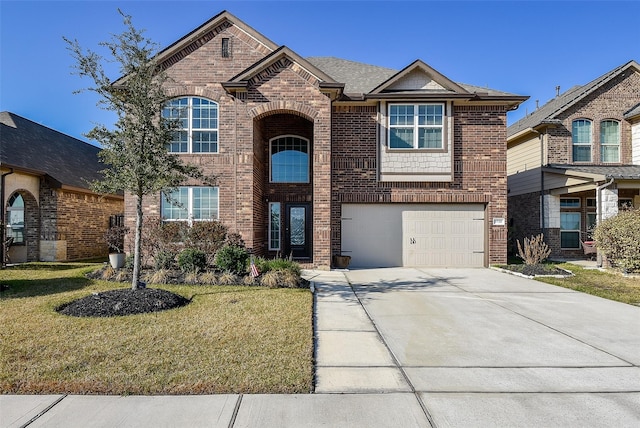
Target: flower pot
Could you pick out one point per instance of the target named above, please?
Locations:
(341, 262)
(117, 260)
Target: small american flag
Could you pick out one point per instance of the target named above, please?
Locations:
(254, 269)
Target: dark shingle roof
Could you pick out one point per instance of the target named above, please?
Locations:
(360, 78)
(635, 111)
(28, 145)
(548, 112)
(628, 172)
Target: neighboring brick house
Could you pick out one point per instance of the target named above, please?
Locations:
(318, 157)
(576, 161)
(47, 206)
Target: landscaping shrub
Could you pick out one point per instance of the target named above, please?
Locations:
(277, 264)
(191, 260)
(159, 236)
(228, 278)
(270, 279)
(208, 237)
(534, 251)
(619, 239)
(164, 259)
(233, 259)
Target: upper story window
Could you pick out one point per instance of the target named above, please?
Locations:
(191, 203)
(610, 141)
(569, 202)
(581, 139)
(289, 160)
(416, 126)
(198, 125)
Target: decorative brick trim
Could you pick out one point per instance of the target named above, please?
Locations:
(195, 45)
(283, 107)
(191, 90)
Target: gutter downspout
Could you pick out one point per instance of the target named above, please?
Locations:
(2, 216)
(599, 213)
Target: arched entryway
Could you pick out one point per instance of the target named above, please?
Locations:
(283, 224)
(22, 227)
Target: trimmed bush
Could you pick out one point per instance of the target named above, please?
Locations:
(164, 259)
(191, 260)
(231, 258)
(619, 239)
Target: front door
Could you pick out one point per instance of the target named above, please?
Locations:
(297, 230)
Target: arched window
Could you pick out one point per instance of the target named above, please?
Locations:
(289, 160)
(610, 141)
(581, 139)
(198, 122)
(15, 219)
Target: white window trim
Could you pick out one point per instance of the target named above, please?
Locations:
(580, 144)
(271, 205)
(189, 207)
(603, 144)
(308, 159)
(190, 129)
(415, 126)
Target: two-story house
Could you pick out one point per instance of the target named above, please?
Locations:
(576, 161)
(321, 156)
(49, 212)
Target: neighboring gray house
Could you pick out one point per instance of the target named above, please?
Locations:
(575, 161)
(48, 209)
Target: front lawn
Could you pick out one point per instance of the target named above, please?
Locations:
(603, 284)
(228, 339)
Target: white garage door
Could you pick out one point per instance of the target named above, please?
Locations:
(438, 235)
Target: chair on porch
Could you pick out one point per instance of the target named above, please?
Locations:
(589, 248)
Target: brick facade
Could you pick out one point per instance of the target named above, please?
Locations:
(281, 96)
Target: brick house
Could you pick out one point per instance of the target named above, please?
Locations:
(317, 157)
(49, 211)
(576, 161)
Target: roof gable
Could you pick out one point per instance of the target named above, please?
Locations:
(207, 31)
(550, 111)
(418, 76)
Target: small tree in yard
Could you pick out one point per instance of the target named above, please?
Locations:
(136, 149)
(618, 238)
(534, 251)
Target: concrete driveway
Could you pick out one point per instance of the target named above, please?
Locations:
(477, 347)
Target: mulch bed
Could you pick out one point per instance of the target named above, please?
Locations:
(123, 301)
(539, 269)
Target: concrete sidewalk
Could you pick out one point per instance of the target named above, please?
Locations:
(417, 348)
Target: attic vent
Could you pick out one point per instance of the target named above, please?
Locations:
(226, 48)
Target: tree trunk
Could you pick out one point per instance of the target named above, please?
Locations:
(138, 239)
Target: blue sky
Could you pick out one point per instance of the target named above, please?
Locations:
(526, 48)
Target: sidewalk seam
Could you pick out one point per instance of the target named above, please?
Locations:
(46, 409)
(236, 409)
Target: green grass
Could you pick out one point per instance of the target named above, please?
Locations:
(227, 340)
(609, 285)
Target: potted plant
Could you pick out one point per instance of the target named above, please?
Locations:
(115, 240)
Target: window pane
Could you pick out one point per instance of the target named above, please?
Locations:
(289, 160)
(570, 239)
(430, 114)
(609, 132)
(400, 115)
(610, 153)
(274, 226)
(205, 203)
(180, 142)
(297, 224)
(430, 138)
(205, 114)
(15, 219)
(569, 202)
(205, 142)
(581, 131)
(570, 221)
(582, 153)
(177, 109)
(401, 138)
(176, 208)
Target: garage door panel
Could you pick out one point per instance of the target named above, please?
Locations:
(439, 235)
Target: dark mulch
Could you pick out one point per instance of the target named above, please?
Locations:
(123, 301)
(539, 269)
